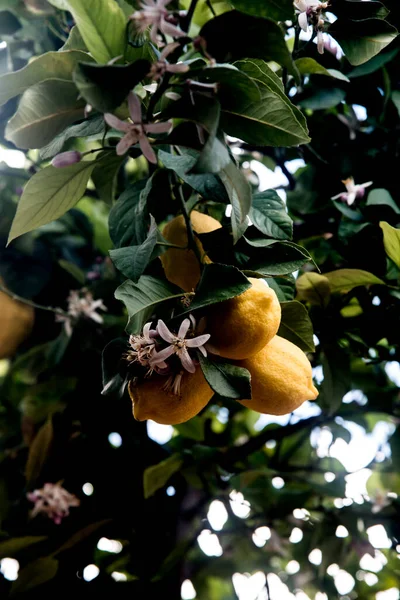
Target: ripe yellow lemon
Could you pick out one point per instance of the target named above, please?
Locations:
(182, 266)
(151, 401)
(281, 378)
(242, 326)
(16, 322)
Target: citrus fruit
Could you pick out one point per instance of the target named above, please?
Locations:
(151, 401)
(242, 326)
(182, 266)
(281, 378)
(16, 322)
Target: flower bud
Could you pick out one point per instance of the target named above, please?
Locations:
(65, 159)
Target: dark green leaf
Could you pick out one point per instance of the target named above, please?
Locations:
(280, 259)
(336, 383)
(15, 545)
(207, 185)
(359, 11)
(94, 126)
(363, 40)
(239, 193)
(128, 220)
(132, 261)
(279, 10)
(219, 283)
(39, 453)
(273, 120)
(320, 98)
(268, 214)
(226, 379)
(381, 197)
(105, 176)
(296, 326)
(234, 87)
(372, 65)
(105, 87)
(45, 109)
(34, 574)
(9, 23)
(309, 66)
(235, 35)
(143, 296)
(155, 477)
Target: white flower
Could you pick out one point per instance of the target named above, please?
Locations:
(154, 14)
(309, 13)
(81, 306)
(136, 132)
(53, 501)
(143, 348)
(354, 192)
(179, 345)
(162, 66)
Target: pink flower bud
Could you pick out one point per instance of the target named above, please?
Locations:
(65, 159)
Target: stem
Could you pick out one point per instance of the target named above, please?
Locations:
(189, 16)
(57, 311)
(157, 95)
(296, 41)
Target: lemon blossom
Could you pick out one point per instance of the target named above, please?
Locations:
(354, 192)
(81, 304)
(153, 14)
(310, 13)
(136, 132)
(179, 345)
(53, 501)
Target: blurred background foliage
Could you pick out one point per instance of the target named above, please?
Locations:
(234, 505)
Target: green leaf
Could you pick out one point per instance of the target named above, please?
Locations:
(371, 66)
(39, 453)
(45, 109)
(51, 65)
(313, 288)
(359, 11)
(268, 214)
(48, 195)
(391, 241)
(128, 220)
(281, 258)
(91, 127)
(9, 24)
(105, 175)
(207, 185)
(217, 284)
(34, 574)
(296, 326)
(101, 24)
(81, 535)
(396, 100)
(381, 197)
(226, 379)
(156, 476)
(233, 85)
(105, 87)
(192, 429)
(235, 35)
(344, 280)
(322, 98)
(74, 41)
(73, 270)
(239, 193)
(272, 121)
(13, 546)
(133, 260)
(336, 383)
(279, 10)
(309, 66)
(144, 295)
(362, 40)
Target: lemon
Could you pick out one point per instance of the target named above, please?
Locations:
(151, 401)
(281, 378)
(242, 326)
(16, 322)
(182, 266)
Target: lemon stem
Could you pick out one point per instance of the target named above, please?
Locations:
(191, 237)
(57, 311)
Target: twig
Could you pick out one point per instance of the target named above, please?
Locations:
(191, 238)
(189, 16)
(57, 311)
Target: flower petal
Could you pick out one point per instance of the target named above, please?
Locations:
(168, 49)
(135, 109)
(164, 332)
(147, 150)
(116, 123)
(183, 329)
(159, 357)
(153, 33)
(178, 68)
(186, 361)
(303, 21)
(198, 341)
(127, 141)
(203, 350)
(146, 333)
(170, 29)
(158, 127)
